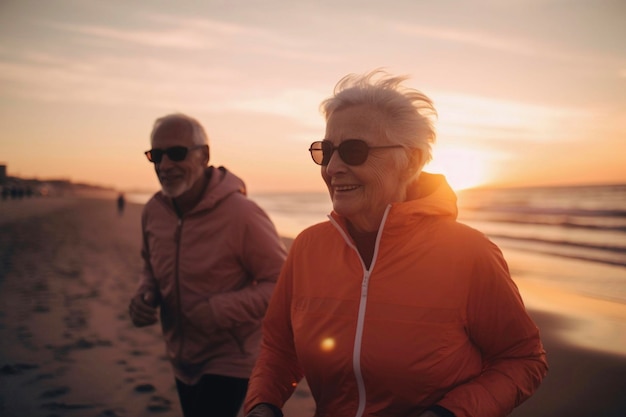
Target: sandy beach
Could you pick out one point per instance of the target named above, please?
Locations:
(68, 267)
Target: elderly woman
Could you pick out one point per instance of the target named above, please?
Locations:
(392, 307)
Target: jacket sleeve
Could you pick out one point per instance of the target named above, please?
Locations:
(514, 361)
(261, 254)
(147, 282)
(277, 371)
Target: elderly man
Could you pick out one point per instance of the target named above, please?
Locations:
(211, 260)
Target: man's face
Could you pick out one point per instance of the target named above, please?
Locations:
(178, 177)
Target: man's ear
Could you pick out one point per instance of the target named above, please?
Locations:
(207, 156)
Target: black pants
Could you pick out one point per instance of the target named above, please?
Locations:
(212, 396)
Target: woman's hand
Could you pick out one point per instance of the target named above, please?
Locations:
(429, 413)
(261, 410)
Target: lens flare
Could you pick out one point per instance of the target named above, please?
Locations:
(328, 344)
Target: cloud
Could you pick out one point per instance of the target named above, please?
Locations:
(112, 80)
(165, 31)
(475, 118)
(473, 38)
(151, 82)
(248, 38)
(162, 38)
(162, 60)
(525, 46)
(298, 104)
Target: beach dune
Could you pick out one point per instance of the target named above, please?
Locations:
(68, 267)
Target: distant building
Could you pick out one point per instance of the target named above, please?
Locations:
(3, 173)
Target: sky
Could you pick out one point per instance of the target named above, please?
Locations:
(529, 92)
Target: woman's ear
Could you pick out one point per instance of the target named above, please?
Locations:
(414, 163)
(416, 160)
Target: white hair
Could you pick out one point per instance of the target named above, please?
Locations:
(198, 135)
(409, 114)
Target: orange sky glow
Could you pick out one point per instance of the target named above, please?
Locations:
(528, 92)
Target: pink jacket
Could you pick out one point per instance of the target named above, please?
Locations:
(214, 269)
(436, 320)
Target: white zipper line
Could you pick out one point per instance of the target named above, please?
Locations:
(358, 338)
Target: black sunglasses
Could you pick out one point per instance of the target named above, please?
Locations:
(175, 153)
(351, 151)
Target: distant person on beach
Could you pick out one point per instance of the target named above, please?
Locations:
(120, 203)
(392, 307)
(211, 261)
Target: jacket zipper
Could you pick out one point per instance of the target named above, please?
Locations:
(358, 338)
(177, 238)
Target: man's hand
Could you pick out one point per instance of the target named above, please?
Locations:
(142, 309)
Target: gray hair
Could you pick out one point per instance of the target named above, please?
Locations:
(410, 114)
(198, 135)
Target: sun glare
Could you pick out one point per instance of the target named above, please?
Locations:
(328, 344)
(462, 167)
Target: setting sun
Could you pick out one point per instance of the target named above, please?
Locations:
(463, 167)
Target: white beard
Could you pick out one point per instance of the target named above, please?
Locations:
(175, 191)
(178, 189)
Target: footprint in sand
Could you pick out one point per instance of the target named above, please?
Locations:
(159, 404)
(132, 369)
(17, 368)
(112, 413)
(76, 320)
(66, 406)
(62, 352)
(54, 392)
(24, 335)
(40, 377)
(41, 308)
(144, 388)
(88, 344)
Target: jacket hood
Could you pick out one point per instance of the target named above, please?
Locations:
(222, 183)
(430, 195)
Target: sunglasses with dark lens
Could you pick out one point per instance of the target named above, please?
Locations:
(351, 151)
(175, 153)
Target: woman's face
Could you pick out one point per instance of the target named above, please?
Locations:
(362, 192)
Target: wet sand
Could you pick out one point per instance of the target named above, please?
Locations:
(68, 267)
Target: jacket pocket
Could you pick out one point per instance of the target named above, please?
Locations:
(247, 337)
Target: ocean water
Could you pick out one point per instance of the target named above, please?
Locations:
(584, 222)
(577, 234)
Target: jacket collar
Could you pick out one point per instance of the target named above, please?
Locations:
(429, 195)
(222, 183)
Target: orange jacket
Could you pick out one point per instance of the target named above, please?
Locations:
(435, 320)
